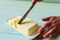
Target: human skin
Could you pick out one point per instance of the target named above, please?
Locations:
(35, 0)
(51, 28)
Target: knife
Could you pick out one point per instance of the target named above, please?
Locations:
(25, 15)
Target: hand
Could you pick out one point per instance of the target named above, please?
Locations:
(51, 28)
(35, 0)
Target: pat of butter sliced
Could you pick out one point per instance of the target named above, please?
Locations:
(27, 27)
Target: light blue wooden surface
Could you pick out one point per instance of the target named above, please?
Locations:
(16, 8)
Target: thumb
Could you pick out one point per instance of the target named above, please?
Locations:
(46, 19)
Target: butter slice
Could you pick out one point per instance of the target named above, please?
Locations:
(27, 27)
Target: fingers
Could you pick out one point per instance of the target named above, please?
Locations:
(49, 28)
(52, 26)
(47, 24)
(48, 18)
(44, 27)
(51, 19)
(50, 31)
(57, 20)
(35, 0)
(54, 34)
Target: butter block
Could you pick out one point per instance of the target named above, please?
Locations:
(13, 21)
(27, 27)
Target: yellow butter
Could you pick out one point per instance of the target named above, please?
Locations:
(27, 27)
